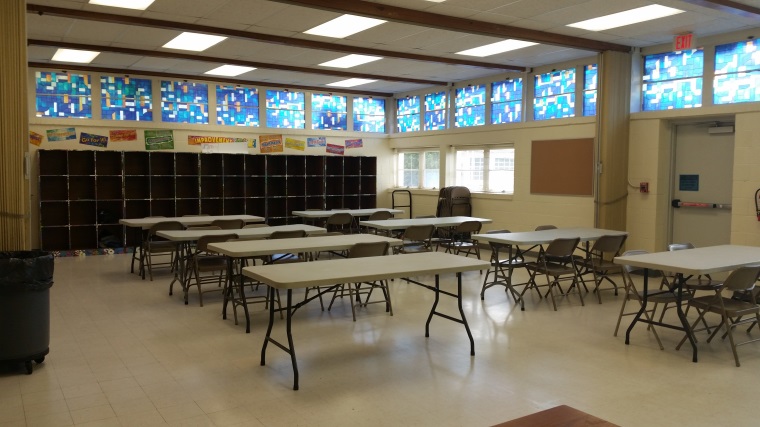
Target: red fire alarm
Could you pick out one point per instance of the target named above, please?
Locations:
(643, 187)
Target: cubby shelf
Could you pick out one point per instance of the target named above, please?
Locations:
(83, 194)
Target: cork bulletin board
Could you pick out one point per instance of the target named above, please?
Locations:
(562, 167)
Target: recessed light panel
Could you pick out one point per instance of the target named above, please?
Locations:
(72, 55)
(193, 41)
(349, 61)
(344, 26)
(351, 82)
(628, 17)
(229, 70)
(126, 4)
(498, 47)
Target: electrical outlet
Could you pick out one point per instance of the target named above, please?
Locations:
(643, 187)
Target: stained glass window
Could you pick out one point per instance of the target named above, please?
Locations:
(63, 95)
(590, 75)
(673, 80)
(369, 114)
(435, 111)
(408, 114)
(554, 95)
(471, 106)
(737, 72)
(183, 102)
(285, 109)
(506, 101)
(237, 106)
(328, 112)
(126, 98)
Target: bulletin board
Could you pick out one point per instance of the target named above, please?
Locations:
(563, 167)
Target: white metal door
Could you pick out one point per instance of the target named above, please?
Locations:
(703, 175)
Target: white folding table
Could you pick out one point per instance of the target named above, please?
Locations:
(335, 272)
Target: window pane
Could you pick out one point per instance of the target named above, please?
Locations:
(673, 80)
(285, 109)
(408, 114)
(432, 169)
(737, 72)
(469, 169)
(183, 102)
(554, 107)
(668, 95)
(409, 169)
(673, 65)
(369, 115)
(501, 165)
(506, 101)
(435, 111)
(506, 112)
(237, 106)
(411, 160)
(554, 95)
(125, 98)
(470, 103)
(590, 74)
(63, 95)
(408, 123)
(328, 112)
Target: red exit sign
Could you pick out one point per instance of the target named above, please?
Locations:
(684, 42)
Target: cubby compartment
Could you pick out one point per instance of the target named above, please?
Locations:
(108, 163)
(212, 164)
(54, 214)
(277, 207)
(334, 185)
(83, 237)
(277, 165)
(81, 163)
(187, 187)
(296, 165)
(255, 186)
(136, 187)
(136, 208)
(368, 201)
(351, 185)
(211, 186)
(256, 207)
(161, 163)
(53, 162)
(234, 206)
(351, 166)
(234, 186)
(315, 202)
(186, 163)
(352, 201)
(188, 207)
(55, 238)
(296, 185)
(333, 165)
(109, 212)
(212, 207)
(333, 202)
(234, 164)
(110, 236)
(82, 187)
(54, 188)
(161, 187)
(296, 204)
(255, 165)
(315, 165)
(108, 187)
(162, 207)
(136, 163)
(276, 186)
(314, 185)
(82, 213)
(368, 185)
(368, 165)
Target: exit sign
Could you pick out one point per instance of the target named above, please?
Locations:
(684, 42)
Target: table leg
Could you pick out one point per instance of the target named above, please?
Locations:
(290, 349)
(228, 291)
(641, 310)
(458, 296)
(682, 317)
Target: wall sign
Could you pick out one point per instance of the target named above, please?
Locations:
(688, 182)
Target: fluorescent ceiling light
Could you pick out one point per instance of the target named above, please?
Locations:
(71, 55)
(229, 70)
(349, 61)
(628, 17)
(351, 82)
(193, 41)
(126, 4)
(498, 47)
(344, 26)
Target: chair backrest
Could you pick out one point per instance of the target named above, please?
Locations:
(368, 249)
(164, 226)
(203, 241)
(502, 231)
(256, 225)
(419, 233)
(469, 227)
(229, 224)
(609, 244)
(287, 234)
(680, 246)
(743, 278)
(562, 248)
(546, 227)
(630, 268)
(379, 216)
(339, 221)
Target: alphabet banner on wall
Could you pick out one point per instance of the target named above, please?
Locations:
(270, 143)
(159, 140)
(198, 140)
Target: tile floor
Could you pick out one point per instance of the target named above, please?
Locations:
(125, 353)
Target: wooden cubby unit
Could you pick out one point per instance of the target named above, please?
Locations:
(84, 193)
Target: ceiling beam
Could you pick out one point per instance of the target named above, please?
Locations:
(261, 37)
(453, 23)
(211, 59)
(216, 79)
(729, 6)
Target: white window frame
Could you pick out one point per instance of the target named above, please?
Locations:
(420, 169)
(486, 165)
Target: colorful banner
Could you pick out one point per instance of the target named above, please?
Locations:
(94, 140)
(295, 144)
(252, 143)
(270, 143)
(159, 140)
(335, 149)
(119, 135)
(35, 138)
(61, 134)
(354, 143)
(198, 140)
(317, 141)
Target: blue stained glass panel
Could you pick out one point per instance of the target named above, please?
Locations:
(737, 72)
(471, 96)
(554, 83)
(506, 112)
(684, 93)
(289, 119)
(63, 95)
(736, 57)
(470, 116)
(506, 101)
(126, 98)
(590, 77)
(673, 65)
(589, 103)
(237, 106)
(554, 107)
(435, 120)
(408, 105)
(369, 115)
(183, 102)
(285, 109)
(408, 123)
(285, 100)
(435, 101)
(327, 120)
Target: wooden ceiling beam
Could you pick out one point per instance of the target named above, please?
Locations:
(453, 23)
(261, 37)
(217, 79)
(211, 59)
(732, 7)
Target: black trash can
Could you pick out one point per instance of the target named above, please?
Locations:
(25, 281)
